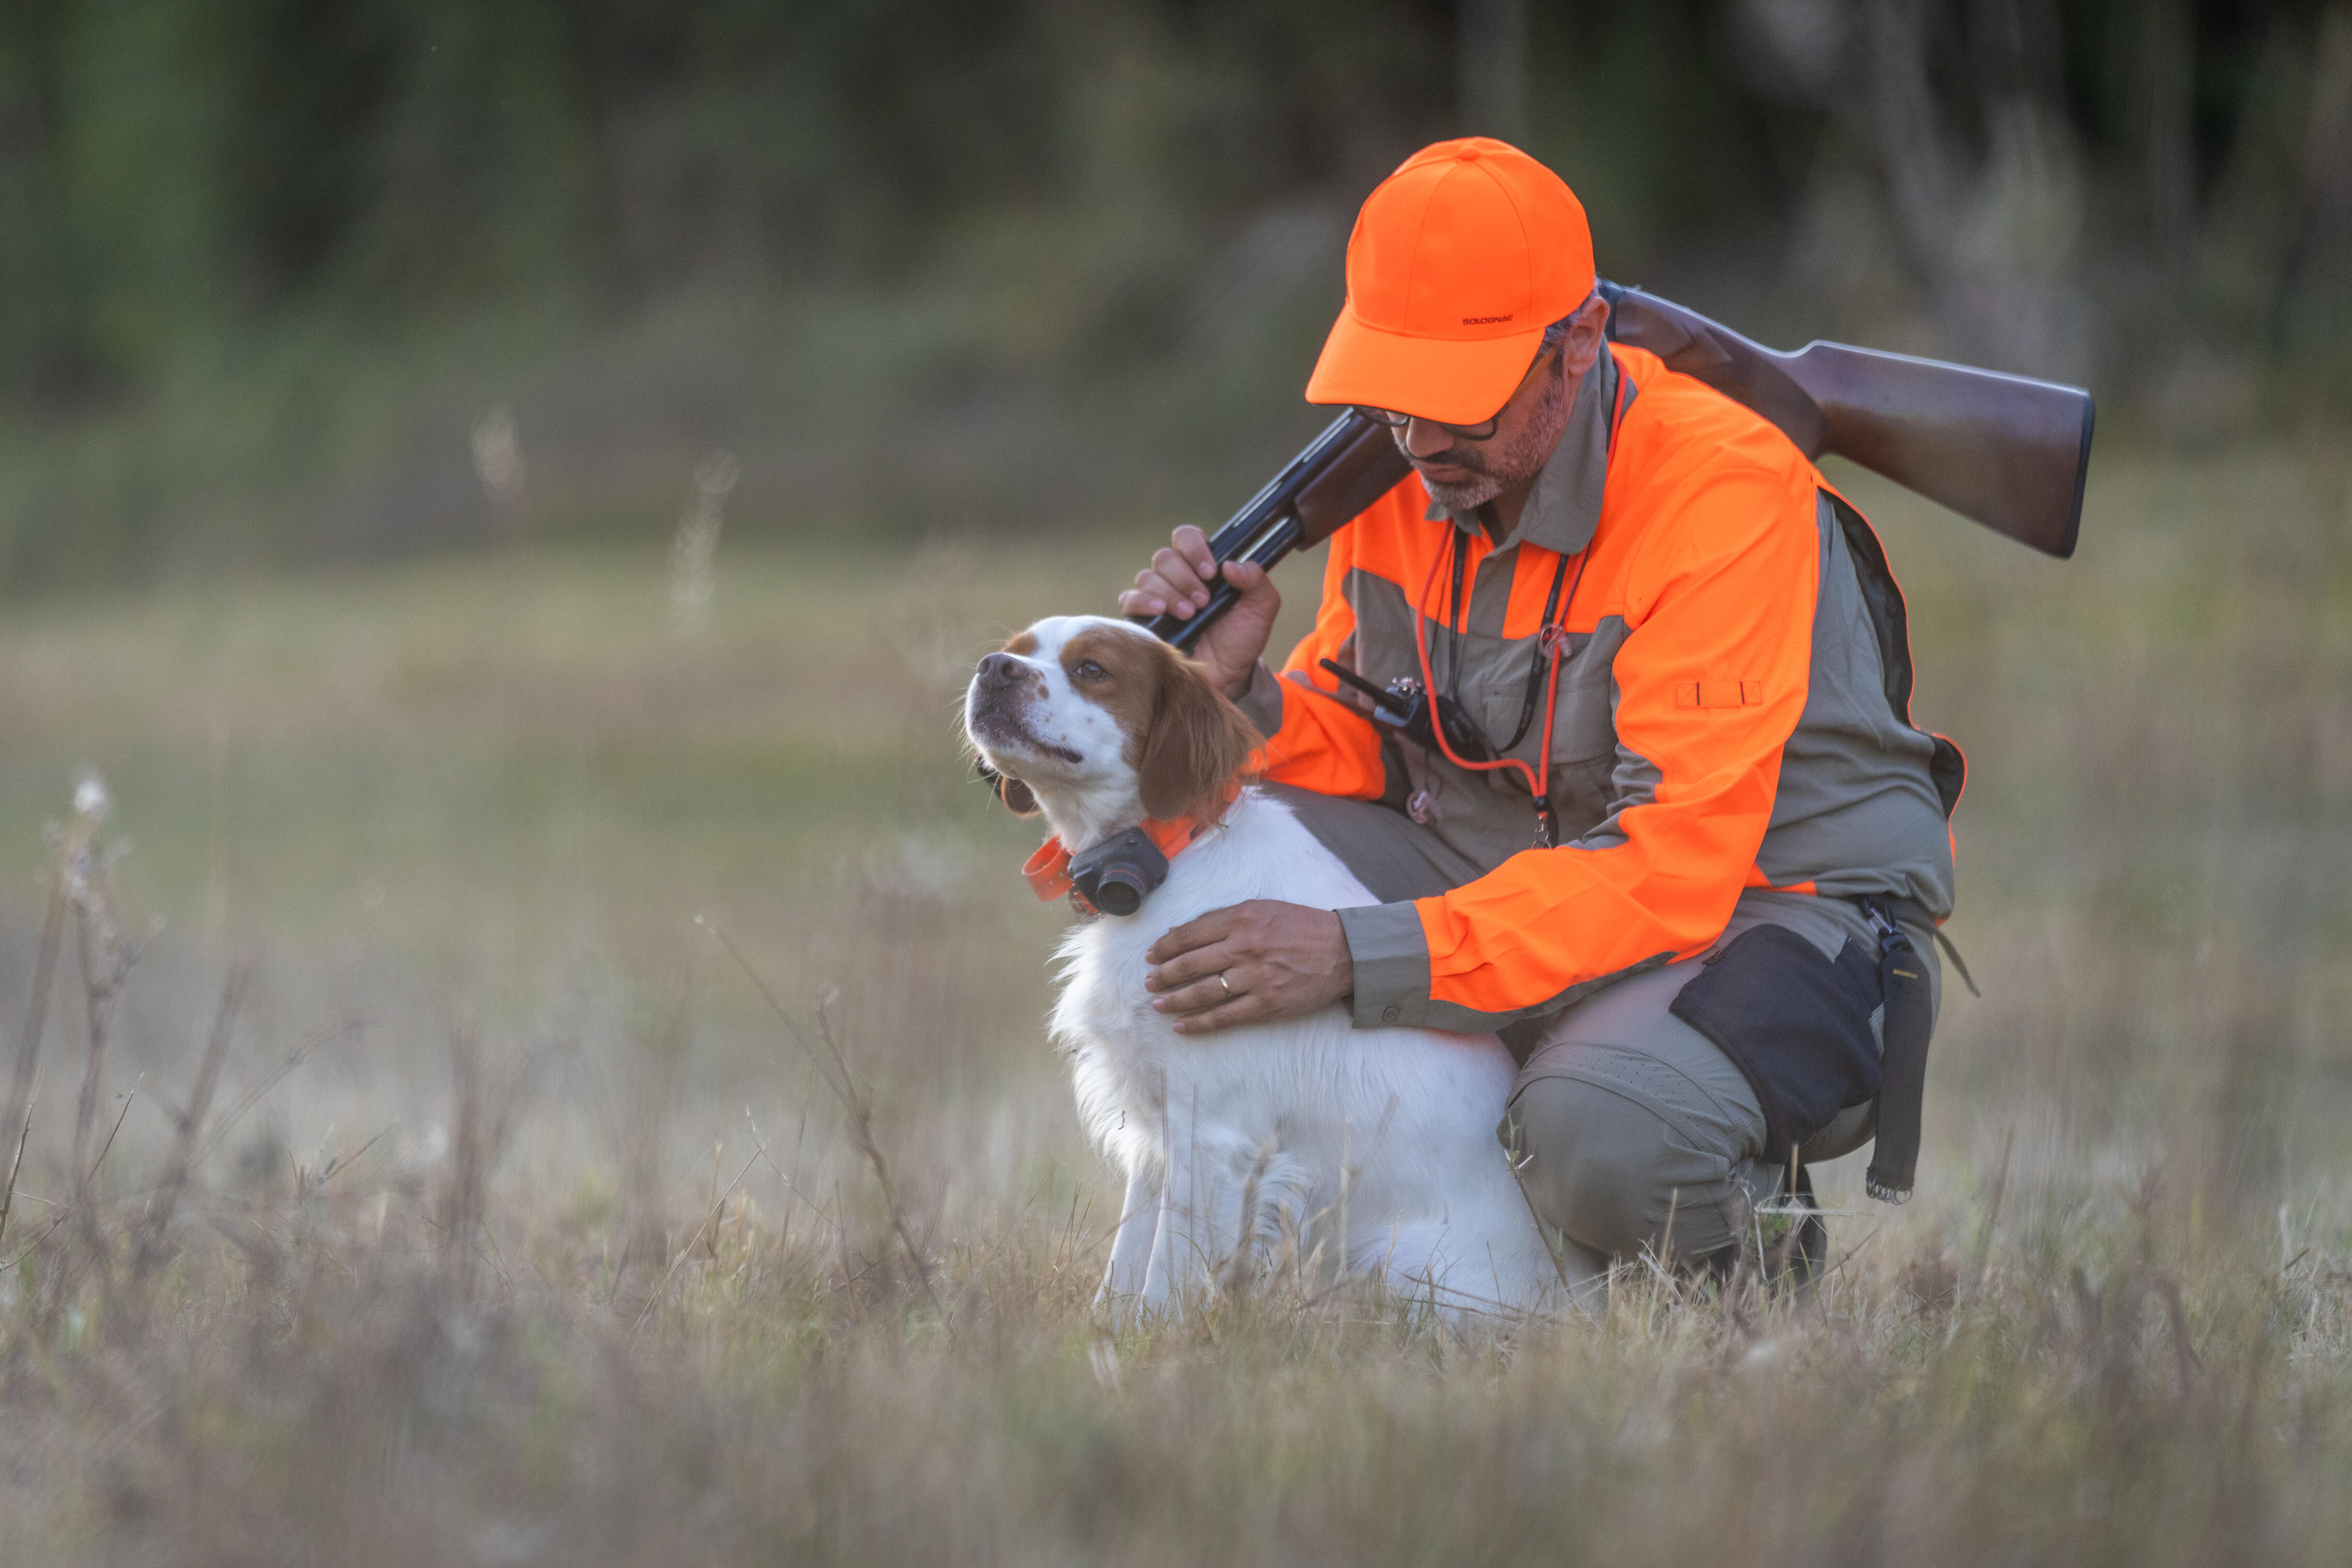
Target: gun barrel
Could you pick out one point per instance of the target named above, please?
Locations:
(1343, 470)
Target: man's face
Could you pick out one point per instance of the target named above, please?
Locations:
(1461, 474)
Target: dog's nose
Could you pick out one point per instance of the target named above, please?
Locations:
(1001, 669)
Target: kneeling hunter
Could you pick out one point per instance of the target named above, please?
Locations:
(1676, 839)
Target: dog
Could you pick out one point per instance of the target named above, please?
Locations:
(1376, 1147)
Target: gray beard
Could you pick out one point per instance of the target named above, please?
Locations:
(1495, 470)
(1467, 496)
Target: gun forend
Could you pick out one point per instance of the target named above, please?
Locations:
(1345, 469)
(2006, 451)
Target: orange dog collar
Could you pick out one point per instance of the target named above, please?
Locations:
(1047, 871)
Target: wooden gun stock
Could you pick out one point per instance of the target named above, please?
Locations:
(2004, 450)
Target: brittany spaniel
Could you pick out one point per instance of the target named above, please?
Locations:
(1376, 1147)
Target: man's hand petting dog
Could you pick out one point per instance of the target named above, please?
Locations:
(1178, 579)
(1250, 963)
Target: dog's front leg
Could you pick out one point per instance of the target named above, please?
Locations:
(1200, 1211)
(1166, 1278)
(1131, 1248)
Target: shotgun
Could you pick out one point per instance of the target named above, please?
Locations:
(2006, 451)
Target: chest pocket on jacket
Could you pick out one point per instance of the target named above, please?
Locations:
(1585, 732)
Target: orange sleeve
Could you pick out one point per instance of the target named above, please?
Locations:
(1711, 680)
(1317, 739)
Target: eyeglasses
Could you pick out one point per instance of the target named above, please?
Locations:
(1482, 431)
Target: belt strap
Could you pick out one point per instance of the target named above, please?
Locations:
(1911, 912)
(1907, 1024)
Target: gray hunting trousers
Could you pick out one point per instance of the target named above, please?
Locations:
(1633, 1129)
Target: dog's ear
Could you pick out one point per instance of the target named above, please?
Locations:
(1012, 793)
(1198, 742)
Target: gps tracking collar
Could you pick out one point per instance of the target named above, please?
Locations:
(1114, 876)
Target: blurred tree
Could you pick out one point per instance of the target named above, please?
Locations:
(1491, 54)
(2155, 194)
(170, 168)
(167, 164)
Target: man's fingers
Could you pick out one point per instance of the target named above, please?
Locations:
(1257, 586)
(1151, 595)
(1240, 1010)
(1155, 594)
(1193, 546)
(1197, 996)
(1209, 929)
(1186, 585)
(1183, 576)
(1186, 967)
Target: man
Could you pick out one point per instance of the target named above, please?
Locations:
(1681, 684)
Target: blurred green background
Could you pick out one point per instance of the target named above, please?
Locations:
(498, 490)
(287, 281)
(490, 484)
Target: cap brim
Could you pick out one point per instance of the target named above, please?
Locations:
(1461, 380)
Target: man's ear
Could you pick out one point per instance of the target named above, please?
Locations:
(1197, 743)
(1588, 331)
(1013, 795)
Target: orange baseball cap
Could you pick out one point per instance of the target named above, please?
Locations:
(1459, 261)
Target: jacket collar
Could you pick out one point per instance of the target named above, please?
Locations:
(1563, 509)
(1048, 870)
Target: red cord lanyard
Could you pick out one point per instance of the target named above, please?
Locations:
(1550, 641)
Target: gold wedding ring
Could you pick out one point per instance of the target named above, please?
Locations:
(1225, 982)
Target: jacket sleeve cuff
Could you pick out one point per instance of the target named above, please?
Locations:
(1391, 953)
(1261, 703)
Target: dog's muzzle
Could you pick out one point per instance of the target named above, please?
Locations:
(999, 676)
(996, 705)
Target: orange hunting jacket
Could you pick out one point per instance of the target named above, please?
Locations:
(1733, 707)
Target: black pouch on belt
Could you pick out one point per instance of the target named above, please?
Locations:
(1796, 1024)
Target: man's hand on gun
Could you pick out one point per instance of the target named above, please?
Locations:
(1177, 581)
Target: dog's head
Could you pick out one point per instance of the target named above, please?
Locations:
(1099, 724)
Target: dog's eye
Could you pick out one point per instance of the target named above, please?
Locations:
(1087, 670)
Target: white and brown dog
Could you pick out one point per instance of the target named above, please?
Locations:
(1376, 1146)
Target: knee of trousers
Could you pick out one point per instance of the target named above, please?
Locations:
(1609, 1173)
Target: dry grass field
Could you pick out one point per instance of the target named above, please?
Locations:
(449, 1192)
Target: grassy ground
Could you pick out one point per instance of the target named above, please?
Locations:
(556, 1246)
